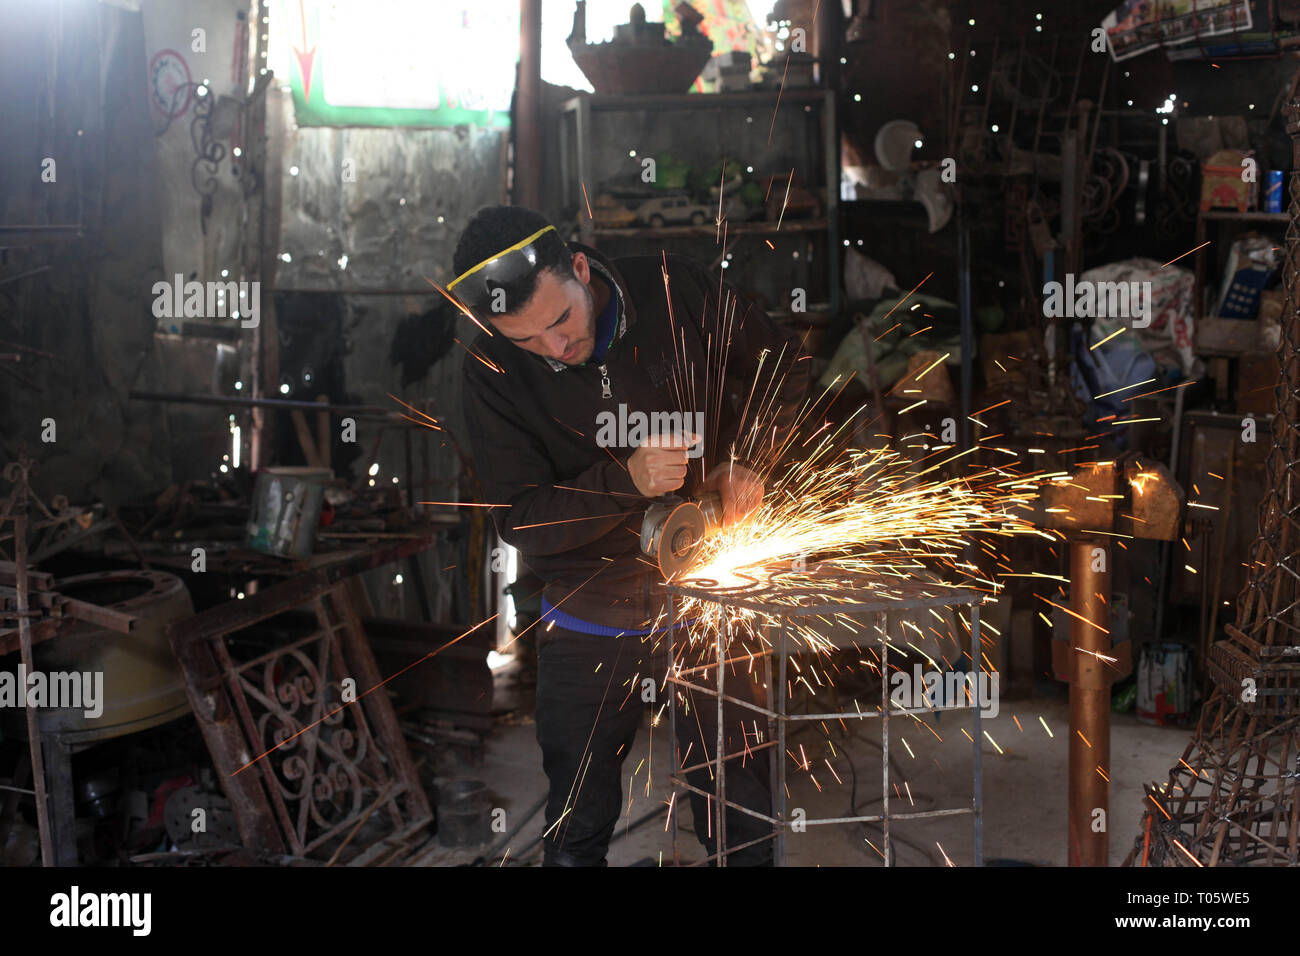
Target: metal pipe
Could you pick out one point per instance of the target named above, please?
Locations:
(288, 404)
(967, 332)
(528, 107)
(1089, 702)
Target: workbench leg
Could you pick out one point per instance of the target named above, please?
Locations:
(674, 763)
(63, 817)
(882, 626)
(769, 701)
(976, 731)
(724, 633)
(778, 758)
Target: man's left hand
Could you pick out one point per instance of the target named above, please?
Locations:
(740, 489)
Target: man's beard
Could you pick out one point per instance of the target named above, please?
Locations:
(591, 322)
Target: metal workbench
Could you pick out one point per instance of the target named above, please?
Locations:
(774, 605)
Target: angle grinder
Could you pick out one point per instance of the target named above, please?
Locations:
(674, 528)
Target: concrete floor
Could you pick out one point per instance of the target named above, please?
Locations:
(1024, 786)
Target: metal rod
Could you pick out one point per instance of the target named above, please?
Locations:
(967, 330)
(882, 624)
(769, 698)
(379, 801)
(707, 859)
(749, 751)
(702, 689)
(673, 809)
(23, 275)
(780, 747)
(979, 765)
(724, 634)
(25, 637)
(878, 817)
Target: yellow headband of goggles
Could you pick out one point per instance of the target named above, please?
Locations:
(518, 245)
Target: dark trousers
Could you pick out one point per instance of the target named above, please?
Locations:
(589, 705)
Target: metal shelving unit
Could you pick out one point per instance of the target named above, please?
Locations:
(744, 122)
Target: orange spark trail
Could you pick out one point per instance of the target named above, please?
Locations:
(458, 304)
(1185, 254)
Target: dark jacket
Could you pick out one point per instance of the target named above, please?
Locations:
(575, 514)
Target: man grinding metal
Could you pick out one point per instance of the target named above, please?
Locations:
(574, 334)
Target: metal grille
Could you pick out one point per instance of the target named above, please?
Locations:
(305, 768)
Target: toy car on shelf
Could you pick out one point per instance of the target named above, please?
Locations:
(608, 213)
(678, 209)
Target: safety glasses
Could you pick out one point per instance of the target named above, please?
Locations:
(476, 286)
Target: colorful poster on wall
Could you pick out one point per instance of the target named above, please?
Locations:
(399, 62)
(730, 24)
(1137, 26)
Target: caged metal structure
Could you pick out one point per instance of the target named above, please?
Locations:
(777, 607)
(1234, 797)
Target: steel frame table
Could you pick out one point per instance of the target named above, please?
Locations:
(877, 596)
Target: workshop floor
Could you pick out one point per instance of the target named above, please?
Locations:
(1024, 786)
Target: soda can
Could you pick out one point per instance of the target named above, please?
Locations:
(1273, 191)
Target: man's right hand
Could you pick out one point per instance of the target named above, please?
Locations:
(659, 466)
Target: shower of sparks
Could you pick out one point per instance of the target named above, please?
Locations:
(839, 515)
(917, 514)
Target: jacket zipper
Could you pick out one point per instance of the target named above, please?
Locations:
(604, 382)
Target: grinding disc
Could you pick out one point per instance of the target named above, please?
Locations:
(681, 534)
